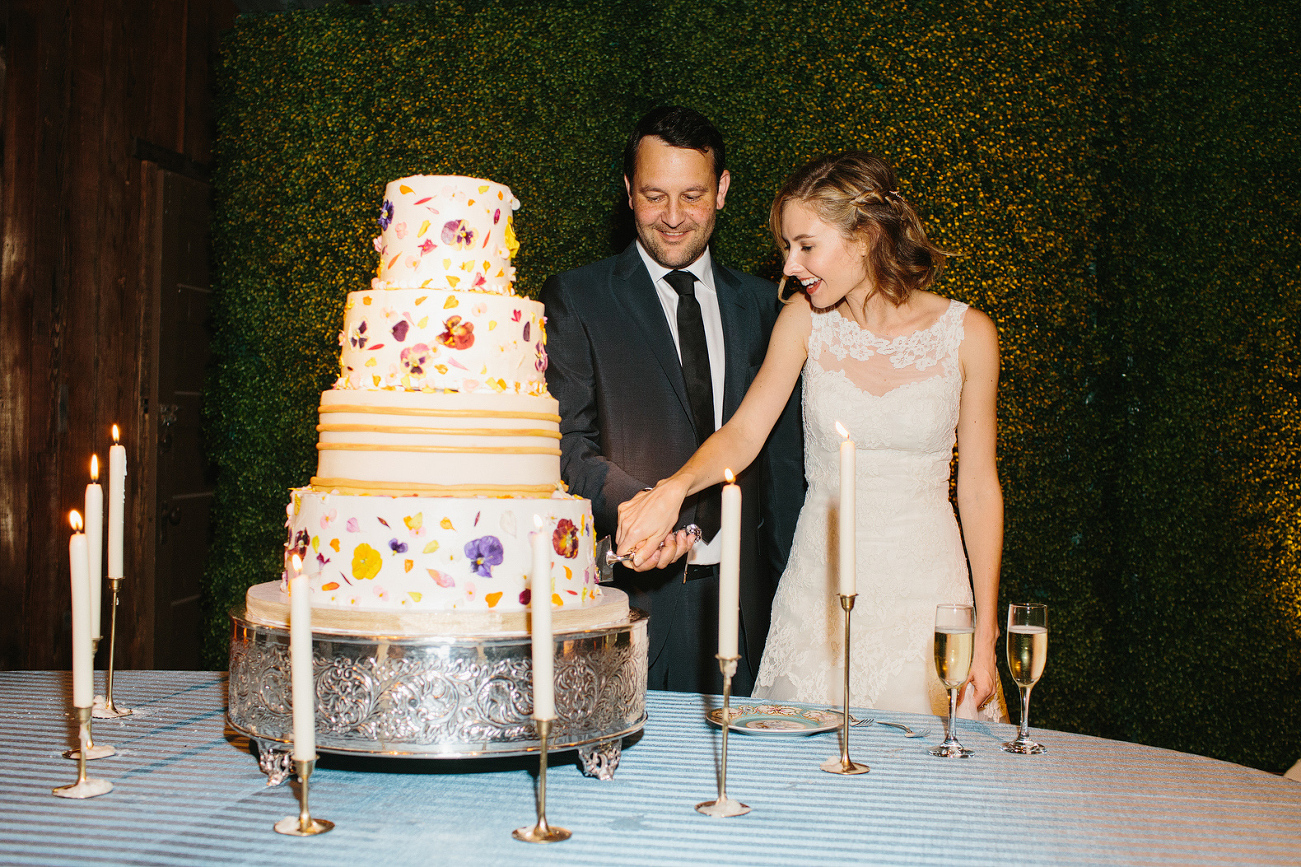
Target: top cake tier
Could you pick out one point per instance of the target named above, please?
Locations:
(446, 232)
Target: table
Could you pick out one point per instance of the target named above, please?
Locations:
(187, 792)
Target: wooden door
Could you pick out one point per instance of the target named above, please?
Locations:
(183, 477)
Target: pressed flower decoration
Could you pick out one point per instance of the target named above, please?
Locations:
(385, 214)
(456, 232)
(415, 359)
(484, 553)
(565, 538)
(366, 562)
(458, 334)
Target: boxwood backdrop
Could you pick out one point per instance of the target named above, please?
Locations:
(1119, 178)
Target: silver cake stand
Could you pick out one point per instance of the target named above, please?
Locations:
(440, 696)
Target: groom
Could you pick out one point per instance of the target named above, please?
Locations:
(650, 351)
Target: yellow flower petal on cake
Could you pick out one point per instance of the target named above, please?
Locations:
(431, 547)
(512, 243)
(371, 362)
(451, 281)
(415, 597)
(334, 543)
(467, 266)
(556, 600)
(424, 227)
(492, 599)
(404, 189)
(483, 189)
(446, 524)
(331, 585)
(316, 543)
(447, 264)
(365, 299)
(366, 562)
(569, 574)
(423, 322)
(492, 323)
(377, 380)
(421, 300)
(414, 522)
(407, 565)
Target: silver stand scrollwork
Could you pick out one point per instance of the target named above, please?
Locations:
(433, 696)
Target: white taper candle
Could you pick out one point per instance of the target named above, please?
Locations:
(848, 585)
(82, 686)
(729, 569)
(544, 688)
(95, 544)
(116, 505)
(300, 663)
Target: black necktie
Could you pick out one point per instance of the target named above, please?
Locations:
(700, 384)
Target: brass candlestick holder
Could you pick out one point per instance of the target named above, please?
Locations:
(89, 748)
(844, 764)
(723, 805)
(542, 832)
(109, 710)
(303, 825)
(83, 788)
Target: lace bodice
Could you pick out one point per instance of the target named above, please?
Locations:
(897, 398)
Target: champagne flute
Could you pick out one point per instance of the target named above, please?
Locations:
(1027, 652)
(955, 639)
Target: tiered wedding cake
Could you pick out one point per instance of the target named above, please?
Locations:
(438, 451)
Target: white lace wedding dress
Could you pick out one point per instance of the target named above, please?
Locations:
(899, 400)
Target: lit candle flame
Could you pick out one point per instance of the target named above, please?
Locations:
(94, 468)
(74, 518)
(298, 563)
(115, 434)
(729, 476)
(841, 428)
(537, 521)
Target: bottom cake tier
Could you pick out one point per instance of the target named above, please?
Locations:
(415, 553)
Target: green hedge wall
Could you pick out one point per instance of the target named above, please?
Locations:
(1116, 179)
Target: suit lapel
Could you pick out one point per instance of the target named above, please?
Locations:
(645, 317)
(735, 313)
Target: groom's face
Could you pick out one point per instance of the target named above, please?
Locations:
(674, 198)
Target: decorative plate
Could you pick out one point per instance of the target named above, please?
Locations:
(777, 719)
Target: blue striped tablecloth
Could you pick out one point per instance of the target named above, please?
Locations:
(189, 793)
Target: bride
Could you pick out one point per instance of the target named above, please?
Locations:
(905, 371)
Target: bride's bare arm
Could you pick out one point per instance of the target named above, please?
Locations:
(980, 496)
(646, 519)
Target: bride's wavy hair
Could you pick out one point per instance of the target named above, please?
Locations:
(857, 193)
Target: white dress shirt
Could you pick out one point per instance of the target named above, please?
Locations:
(706, 551)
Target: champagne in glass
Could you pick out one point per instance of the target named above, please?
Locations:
(955, 639)
(1027, 653)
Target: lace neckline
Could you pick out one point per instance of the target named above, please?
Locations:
(886, 345)
(923, 348)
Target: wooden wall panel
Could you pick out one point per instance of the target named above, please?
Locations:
(85, 82)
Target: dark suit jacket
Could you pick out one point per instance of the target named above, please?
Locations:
(626, 422)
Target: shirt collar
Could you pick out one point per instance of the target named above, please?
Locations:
(702, 269)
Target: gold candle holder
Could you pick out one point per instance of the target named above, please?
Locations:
(89, 748)
(844, 764)
(83, 788)
(723, 805)
(109, 710)
(303, 825)
(542, 832)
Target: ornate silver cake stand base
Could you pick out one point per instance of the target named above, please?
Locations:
(431, 696)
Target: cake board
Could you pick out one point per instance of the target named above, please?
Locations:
(440, 685)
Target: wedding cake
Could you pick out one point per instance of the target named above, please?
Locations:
(438, 445)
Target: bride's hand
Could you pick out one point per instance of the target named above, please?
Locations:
(982, 683)
(645, 523)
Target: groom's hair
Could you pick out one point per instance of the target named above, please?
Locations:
(680, 128)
